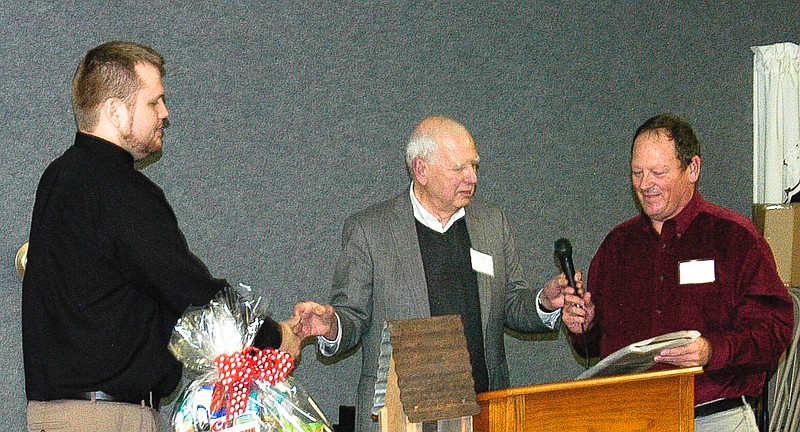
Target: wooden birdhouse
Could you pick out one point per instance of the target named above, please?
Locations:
(425, 377)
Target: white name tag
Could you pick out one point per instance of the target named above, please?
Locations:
(696, 272)
(481, 262)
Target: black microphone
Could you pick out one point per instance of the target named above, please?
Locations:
(563, 252)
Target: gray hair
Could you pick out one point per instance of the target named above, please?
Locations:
(423, 144)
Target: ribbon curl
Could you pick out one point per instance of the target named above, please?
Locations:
(238, 370)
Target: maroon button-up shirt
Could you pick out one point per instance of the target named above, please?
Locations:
(745, 313)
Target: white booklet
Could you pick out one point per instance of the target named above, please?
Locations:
(638, 356)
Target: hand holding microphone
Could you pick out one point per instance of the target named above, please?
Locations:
(563, 252)
(577, 315)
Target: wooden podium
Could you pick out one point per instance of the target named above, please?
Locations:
(649, 401)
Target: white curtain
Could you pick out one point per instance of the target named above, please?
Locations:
(776, 122)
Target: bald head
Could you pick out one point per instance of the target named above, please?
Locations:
(439, 125)
(424, 141)
(443, 163)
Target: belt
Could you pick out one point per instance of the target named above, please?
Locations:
(718, 406)
(151, 400)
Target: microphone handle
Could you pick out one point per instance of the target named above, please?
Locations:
(569, 271)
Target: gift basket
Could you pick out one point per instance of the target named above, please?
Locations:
(233, 386)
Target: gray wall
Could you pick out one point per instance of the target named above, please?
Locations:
(287, 116)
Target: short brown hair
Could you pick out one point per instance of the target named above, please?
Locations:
(687, 146)
(108, 70)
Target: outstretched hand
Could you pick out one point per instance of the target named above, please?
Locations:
(314, 319)
(552, 297)
(291, 342)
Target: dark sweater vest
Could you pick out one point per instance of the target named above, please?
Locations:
(453, 288)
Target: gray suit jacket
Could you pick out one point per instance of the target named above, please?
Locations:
(379, 277)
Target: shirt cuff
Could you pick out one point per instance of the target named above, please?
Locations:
(329, 347)
(550, 319)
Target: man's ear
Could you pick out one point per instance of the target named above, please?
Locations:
(419, 168)
(694, 168)
(115, 112)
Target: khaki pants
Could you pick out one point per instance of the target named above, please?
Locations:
(88, 416)
(741, 419)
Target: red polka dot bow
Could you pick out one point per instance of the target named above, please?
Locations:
(238, 370)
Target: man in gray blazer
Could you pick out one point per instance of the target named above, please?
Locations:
(430, 251)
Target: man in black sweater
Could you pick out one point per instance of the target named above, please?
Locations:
(109, 271)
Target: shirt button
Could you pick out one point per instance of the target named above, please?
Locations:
(658, 311)
(661, 278)
(663, 246)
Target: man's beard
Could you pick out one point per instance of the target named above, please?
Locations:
(139, 148)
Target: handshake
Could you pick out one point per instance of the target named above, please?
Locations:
(308, 320)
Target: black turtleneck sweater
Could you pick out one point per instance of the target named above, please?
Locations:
(108, 275)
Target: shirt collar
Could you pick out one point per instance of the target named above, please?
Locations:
(429, 220)
(680, 222)
(687, 215)
(103, 147)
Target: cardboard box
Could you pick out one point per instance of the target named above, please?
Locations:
(780, 224)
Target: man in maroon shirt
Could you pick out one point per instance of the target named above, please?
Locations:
(686, 264)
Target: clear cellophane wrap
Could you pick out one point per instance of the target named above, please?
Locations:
(233, 386)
